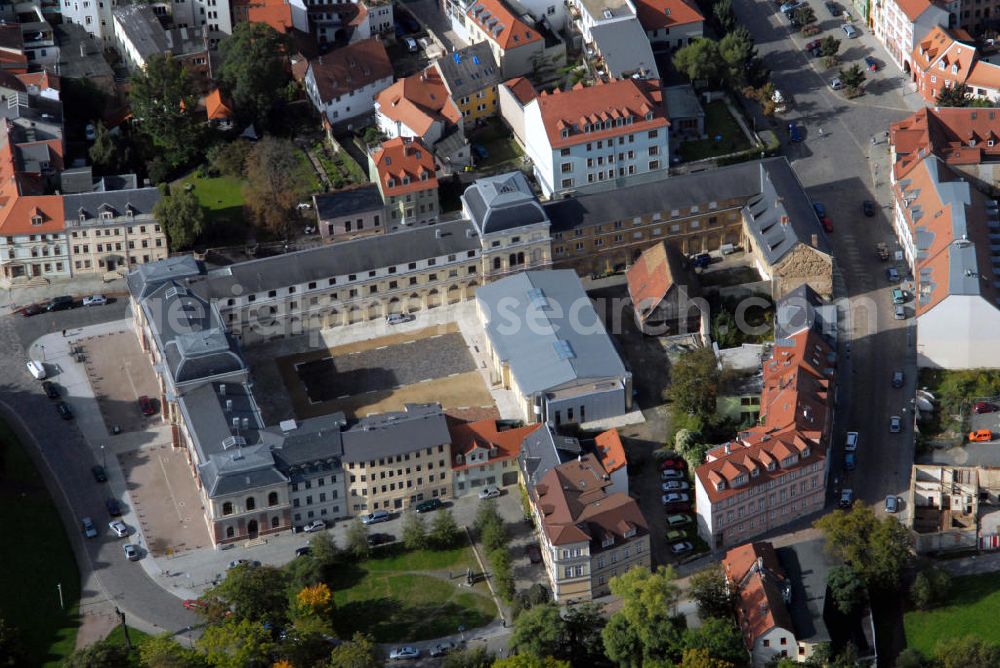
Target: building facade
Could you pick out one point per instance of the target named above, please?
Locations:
(484, 453)
(471, 76)
(902, 24)
(350, 213)
(406, 174)
(342, 84)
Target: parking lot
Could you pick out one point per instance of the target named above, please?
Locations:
(984, 453)
(384, 374)
(120, 373)
(165, 499)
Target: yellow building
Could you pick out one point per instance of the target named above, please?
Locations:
(472, 76)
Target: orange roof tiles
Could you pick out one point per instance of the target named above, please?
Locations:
(24, 208)
(467, 436)
(913, 8)
(945, 132)
(755, 574)
(215, 108)
(418, 101)
(657, 14)
(501, 25)
(522, 89)
(610, 450)
(275, 13)
(606, 109)
(404, 166)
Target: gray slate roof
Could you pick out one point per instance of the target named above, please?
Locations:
(543, 450)
(141, 201)
(76, 180)
(545, 327)
(625, 48)
(806, 567)
(145, 278)
(389, 434)
(142, 29)
(348, 202)
(314, 440)
(469, 70)
(782, 217)
(80, 54)
(501, 202)
(682, 102)
(354, 256)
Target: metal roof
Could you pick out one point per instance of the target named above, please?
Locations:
(625, 48)
(417, 427)
(348, 202)
(469, 70)
(502, 202)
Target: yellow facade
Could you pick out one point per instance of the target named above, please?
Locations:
(478, 106)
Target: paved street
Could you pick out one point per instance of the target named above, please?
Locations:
(837, 166)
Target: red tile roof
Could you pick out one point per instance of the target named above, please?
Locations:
(913, 8)
(501, 24)
(467, 436)
(23, 202)
(402, 159)
(650, 277)
(350, 68)
(575, 507)
(215, 108)
(275, 13)
(608, 109)
(658, 14)
(957, 135)
(418, 101)
(755, 573)
(522, 89)
(610, 450)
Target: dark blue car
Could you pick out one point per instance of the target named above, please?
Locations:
(794, 132)
(820, 209)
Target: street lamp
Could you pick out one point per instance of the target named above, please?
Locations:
(104, 462)
(43, 351)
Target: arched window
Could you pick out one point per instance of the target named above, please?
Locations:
(272, 499)
(274, 522)
(496, 262)
(227, 508)
(230, 532)
(251, 503)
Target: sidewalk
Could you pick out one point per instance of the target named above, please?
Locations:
(78, 286)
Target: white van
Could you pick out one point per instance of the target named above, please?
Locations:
(36, 369)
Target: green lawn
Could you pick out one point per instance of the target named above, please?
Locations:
(222, 199)
(500, 146)
(972, 609)
(718, 123)
(38, 560)
(117, 636)
(408, 596)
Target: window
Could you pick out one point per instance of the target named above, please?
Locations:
(566, 167)
(251, 503)
(272, 499)
(227, 508)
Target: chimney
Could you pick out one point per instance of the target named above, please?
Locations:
(815, 240)
(729, 449)
(437, 233)
(222, 389)
(229, 406)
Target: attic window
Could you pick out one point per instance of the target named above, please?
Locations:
(608, 541)
(719, 486)
(565, 132)
(990, 142)
(770, 465)
(954, 68)
(390, 182)
(423, 176)
(649, 115)
(406, 180)
(107, 215)
(36, 220)
(631, 532)
(805, 453)
(754, 472)
(83, 217)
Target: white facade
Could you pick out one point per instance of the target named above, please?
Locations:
(393, 129)
(774, 645)
(678, 36)
(349, 105)
(36, 255)
(899, 34)
(960, 332)
(593, 160)
(321, 495)
(214, 15)
(93, 15)
(552, 11)
(380, 18)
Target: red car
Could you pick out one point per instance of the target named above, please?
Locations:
(815, 44)
(146, 406)
(31, 309)
(827, 224)
(673, 463)
(985, 407)
(195, 604)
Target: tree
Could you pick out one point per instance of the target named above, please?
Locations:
(804, 15)
(694, 383)
(277, 180)
(229, 158)
(539, 631)
(724, 329)
(359, 652)
(253, 72)
(303, 572)
(494, 535)
(700, 658)
(181, 216)
(829, 46)
(357, 540)
(644, 624)
(323, 550)
(414, 532)
(709, 589)
(102, 654)
(723, 12)
(444, 530)
(960, 95)
(853, 77)
(163, 100)
(720, 638)
(237, 643)
(529, 661)
(930, 588)
(967, 652)
(107, 153)
(12, 651)
(476, 657)
(255, 594)
(878, 549)
(910, 658)
(486, 513)
(846, 589)
(163, 651)
(582, 642)
(700, 60)
(503, 573)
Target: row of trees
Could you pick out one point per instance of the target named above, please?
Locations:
(493, 535)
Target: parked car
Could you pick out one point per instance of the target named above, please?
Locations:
(674, 535)
(849, 30)
(489, 492)
(895, 424)
(850, 461)
(673, 463)
(892, 504)
(815, 44)
(114, 509)
(701, 261)
(678, 520)
(681, 548)
(90, 132)
(846, 498)
(119, 528)
(853, 438)
(836, 83)
(429, 505)
(442, 648)
(376, 517)
(315, 525)
(95, 300)
(827, 224)
(671, 474)
(411, 44)
(980, 436)
(65, 412)
(398, 318)
(99, 474)
(900, 312)
(820, 209)
(892, 275)
(146, 406)
(36, 369)
(868, 208)
(897, 379)
(303, 551)
(195, 604)
(403, 653)
(898, 296)
(534, 553)
(60, 303)
(791, 6)
(794, 132)
(833, 8)
(981, 407)
(51, 391)
(871, 64)
(131, 552)
(380, 539)
(674, 485)
(31, 309)
(236, 563)
(89, 530)
(675, 497)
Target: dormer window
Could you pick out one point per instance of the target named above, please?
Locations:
(564, 133)
(83, 217)
(423, 176)
(770, 466)
(406, 180)
(630, 533)
(990, 143)
(128, 213)
(458, 460)
(649, 115)
(36, 220)
(719, 486)
(390, 183)
(608, 541)
(107, 215)
(954, 68)
(805, 453)
(789, 461)
(754, 472)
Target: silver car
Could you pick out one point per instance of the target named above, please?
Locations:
(895, 424)
(836, 83)
(131, 552)
(892, 504)
(119, 528)
(89, 530)
(490, 492)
